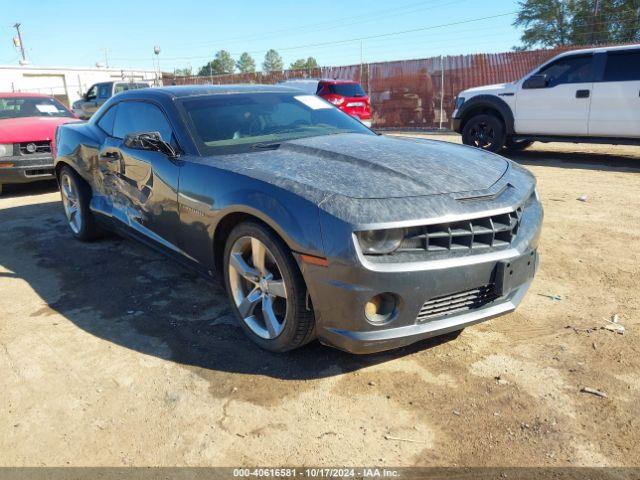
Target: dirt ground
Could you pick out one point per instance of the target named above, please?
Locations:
(112, 355)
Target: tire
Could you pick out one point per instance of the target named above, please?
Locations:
(485, 132)
(76, 196)
(249, 289)
(516, 146)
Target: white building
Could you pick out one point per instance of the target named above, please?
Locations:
(67, 84)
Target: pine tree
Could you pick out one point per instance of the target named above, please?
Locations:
(246, 64)
(272, 62)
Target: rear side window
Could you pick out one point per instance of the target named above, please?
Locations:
(107, 120)
(138, 117)
(104, 90)
(569, 70)
(347, 89)
(622, 66)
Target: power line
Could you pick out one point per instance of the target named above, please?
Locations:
(339, 23)
(350, 40)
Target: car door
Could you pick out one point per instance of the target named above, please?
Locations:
(615, 106)
(104, 93)
(90, 105)
(141, 185)
(562, 106)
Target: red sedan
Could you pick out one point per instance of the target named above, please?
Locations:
(28, 123)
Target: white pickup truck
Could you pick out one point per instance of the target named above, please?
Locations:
(581, 96)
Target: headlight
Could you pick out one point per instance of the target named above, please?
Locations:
(459, 102)
(6, 149)
(380, 242)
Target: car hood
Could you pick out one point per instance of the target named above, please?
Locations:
(486, 89)
(30, 129)
(368, 167)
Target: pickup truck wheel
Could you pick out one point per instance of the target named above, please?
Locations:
(485, 132)
(266, 289)
(76, 196)
(515, 145)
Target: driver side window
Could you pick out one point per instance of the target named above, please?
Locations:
(138, 117)
(578, 69)
(92, 93)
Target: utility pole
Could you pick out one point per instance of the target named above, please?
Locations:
(17, 27)
(106, 57)
(361, 60)
(596, 13)
(441, 91)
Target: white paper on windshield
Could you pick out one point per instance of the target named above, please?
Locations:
(312, 101)
(46, 108)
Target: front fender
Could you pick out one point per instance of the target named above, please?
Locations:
(208, 195)
(493, 102)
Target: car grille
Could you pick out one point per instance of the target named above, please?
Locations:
(29, 148)
(458, 302)
(39, 172)
(478, 233)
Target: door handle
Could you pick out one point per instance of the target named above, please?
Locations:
(582, 93)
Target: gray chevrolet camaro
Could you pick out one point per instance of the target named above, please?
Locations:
(319, 227)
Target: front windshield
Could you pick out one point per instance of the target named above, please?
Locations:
(237, 122)
(19, 107)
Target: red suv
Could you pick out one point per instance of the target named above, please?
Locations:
(347, 95)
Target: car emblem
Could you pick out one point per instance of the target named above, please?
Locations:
(31, 147)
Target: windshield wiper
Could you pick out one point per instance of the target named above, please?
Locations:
(265, 146)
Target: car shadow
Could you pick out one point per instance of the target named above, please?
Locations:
(25, 189)
(610, 161)
(127, 294)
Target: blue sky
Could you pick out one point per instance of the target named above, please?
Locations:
(74, 33)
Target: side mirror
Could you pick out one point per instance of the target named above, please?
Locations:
(85, 96)
(536, 81)
(151, 141)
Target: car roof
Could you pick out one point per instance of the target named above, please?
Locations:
(600, 49)
(337, 81)
(24, 94)
(333, 81)
(184, 91)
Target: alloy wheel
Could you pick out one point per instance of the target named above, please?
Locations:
(257, 287)
(71, 203)
(482, 135)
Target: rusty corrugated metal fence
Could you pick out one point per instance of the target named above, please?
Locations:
(406, 93)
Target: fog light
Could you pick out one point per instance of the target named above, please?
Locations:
(381, 308)
(6, 164)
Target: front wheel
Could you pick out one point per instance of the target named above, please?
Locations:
(266, 289)
(485, 132)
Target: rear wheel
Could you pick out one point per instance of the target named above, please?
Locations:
(266, 289)
(517, 145)
(485, 132)
(76, 196)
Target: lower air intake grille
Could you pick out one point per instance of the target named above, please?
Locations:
(458, 302)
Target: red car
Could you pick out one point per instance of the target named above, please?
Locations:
(28, 123)
(347, 95)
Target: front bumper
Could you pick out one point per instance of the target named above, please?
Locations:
(26, 168)
(456, 123)
(340, 293)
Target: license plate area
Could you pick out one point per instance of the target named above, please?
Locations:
(513, 273)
